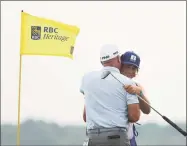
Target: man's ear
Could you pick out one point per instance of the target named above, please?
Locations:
(119, 59)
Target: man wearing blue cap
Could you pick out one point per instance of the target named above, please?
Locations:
(130, 65)
(109, 108)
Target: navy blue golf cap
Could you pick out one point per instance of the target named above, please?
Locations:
(130, 57)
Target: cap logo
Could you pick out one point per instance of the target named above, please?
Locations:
(133, 58)
(115, 53)
(105, 57)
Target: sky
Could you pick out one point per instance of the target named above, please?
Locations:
(155, 30)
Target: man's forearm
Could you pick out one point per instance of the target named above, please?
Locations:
(133, 112)
(145, 108)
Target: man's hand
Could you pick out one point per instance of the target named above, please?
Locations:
(131, 89)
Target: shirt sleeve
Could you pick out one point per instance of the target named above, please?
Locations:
(132, 98)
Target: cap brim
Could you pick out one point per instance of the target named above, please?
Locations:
(130, 64)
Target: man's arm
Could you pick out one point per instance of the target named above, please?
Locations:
(133, 112)
(133, 108)
(145, 108)
(84, 114)
(82, 91)
(132, 101)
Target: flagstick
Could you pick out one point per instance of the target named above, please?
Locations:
(18, 126)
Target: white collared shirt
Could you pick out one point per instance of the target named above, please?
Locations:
(106, 100)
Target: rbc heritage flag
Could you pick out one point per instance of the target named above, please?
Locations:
(40, 36)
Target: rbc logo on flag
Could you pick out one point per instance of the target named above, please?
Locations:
(35, 32)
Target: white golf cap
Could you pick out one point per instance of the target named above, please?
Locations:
(108, 52)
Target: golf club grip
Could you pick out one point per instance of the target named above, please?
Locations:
(174, 125)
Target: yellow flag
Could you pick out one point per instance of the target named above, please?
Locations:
(40, 36)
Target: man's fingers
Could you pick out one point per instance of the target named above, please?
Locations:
(126, 86)
(130, 90)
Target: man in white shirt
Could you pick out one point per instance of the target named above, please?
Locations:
(109, 108)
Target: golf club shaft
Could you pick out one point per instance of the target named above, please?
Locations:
(164, 117)
(175, 126)
(141, 98)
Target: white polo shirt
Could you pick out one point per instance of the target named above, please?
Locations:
(106, 100)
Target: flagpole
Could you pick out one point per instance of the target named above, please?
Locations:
(19, 101)
(19, 92)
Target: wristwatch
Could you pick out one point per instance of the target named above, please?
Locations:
(141, 94)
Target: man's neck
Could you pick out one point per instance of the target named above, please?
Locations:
(112, 68)
(110, 65)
